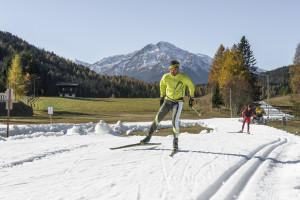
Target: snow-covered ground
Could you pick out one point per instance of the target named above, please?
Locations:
(275, 114)
(73, 161)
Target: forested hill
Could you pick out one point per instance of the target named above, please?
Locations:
(279, 81)
(279, 76)
(51, 68)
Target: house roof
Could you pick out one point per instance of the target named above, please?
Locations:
(67, 84)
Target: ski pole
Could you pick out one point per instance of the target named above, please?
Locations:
(196, 111)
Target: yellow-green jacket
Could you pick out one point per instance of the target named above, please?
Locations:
(173, 87)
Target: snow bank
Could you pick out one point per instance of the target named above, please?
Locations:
(102, 128)
(275, 114)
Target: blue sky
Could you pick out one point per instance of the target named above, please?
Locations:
(89, 30)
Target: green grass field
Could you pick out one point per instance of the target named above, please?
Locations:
(283, 102)
(95, 105)
(292, 125)
(111, 110)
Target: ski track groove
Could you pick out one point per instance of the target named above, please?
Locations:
(163, 168)
(269, 167)
(40, 156)
(48, 195)
(215, 188)
(76, 162)
(138, 197)
(250, 167)
(185, 167)
(168, 174)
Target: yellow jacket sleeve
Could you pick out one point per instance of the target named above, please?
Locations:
(190, 85)
(162, 86)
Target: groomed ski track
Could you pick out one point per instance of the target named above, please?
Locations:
(233, 181)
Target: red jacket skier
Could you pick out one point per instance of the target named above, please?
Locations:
(247, 114)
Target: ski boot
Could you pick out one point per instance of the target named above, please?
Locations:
(175, 144)
(248, 132)
(175, 147)
(240, 131)
(146, 139)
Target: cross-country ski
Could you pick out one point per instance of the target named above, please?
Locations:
(133, 145)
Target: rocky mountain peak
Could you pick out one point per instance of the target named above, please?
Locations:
(152, 61)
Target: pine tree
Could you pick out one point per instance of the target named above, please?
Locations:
(4, 72)
(28, 63)
(249, 63)
(217, 100)
(248, 59)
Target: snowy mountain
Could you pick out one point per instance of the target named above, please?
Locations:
(151, 62)
(78, 62)
(260, 70)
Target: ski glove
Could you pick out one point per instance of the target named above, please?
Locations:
(191, 102)
(161, 101)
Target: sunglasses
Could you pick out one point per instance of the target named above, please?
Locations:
(173, 69)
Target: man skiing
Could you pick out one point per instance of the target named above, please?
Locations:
(247, 114)
(172, 91)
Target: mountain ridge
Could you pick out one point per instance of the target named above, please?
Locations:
(152, 61)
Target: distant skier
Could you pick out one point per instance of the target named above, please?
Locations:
(247, 114)
(172, 91)
(259, 114)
